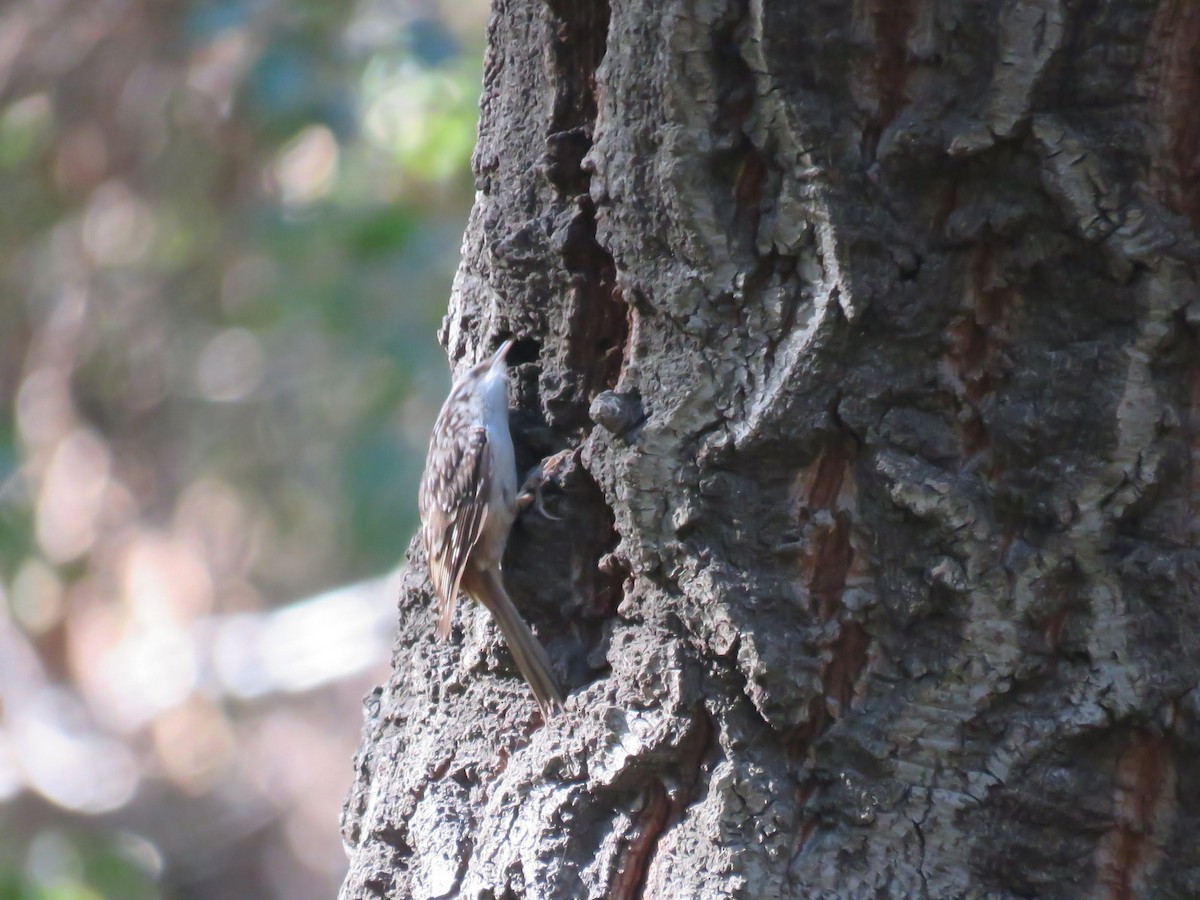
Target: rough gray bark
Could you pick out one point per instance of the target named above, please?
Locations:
(878, 575)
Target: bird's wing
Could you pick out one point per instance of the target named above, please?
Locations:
(453, 501)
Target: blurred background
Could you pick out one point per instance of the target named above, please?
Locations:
(227, 235)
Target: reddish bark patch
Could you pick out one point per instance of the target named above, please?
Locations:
(631, 873)
(659, 810)
(830, 562)
(1144, 804)
(1052, 628)
(827, 516)
(838, 682)
(849, 655)
(830, 474)
(1172, 54)
(890, 22)
(976, 340)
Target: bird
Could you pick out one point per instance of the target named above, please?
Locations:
(467, 503)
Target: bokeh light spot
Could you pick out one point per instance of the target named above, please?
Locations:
(72, 767)
(150, 671)
(230, 367)
(194, 744)
(37, 597)
(117, 226)
(305, 169)
(70, 500)
(165, 581)
(44, 406)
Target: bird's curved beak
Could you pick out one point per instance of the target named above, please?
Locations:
(498, 359)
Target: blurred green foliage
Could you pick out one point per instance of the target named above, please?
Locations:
(79, 867)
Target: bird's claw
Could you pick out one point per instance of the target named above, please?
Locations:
(531, 491)
(531, 495)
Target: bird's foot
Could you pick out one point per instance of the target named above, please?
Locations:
(547, 471)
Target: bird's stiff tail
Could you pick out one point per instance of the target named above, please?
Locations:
(529, 654)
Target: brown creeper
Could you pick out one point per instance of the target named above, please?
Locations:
(467, 503)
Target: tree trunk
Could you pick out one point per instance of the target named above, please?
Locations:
(874, 325)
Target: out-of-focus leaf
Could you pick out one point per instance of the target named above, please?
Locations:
(382, 231)
(24, 129)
